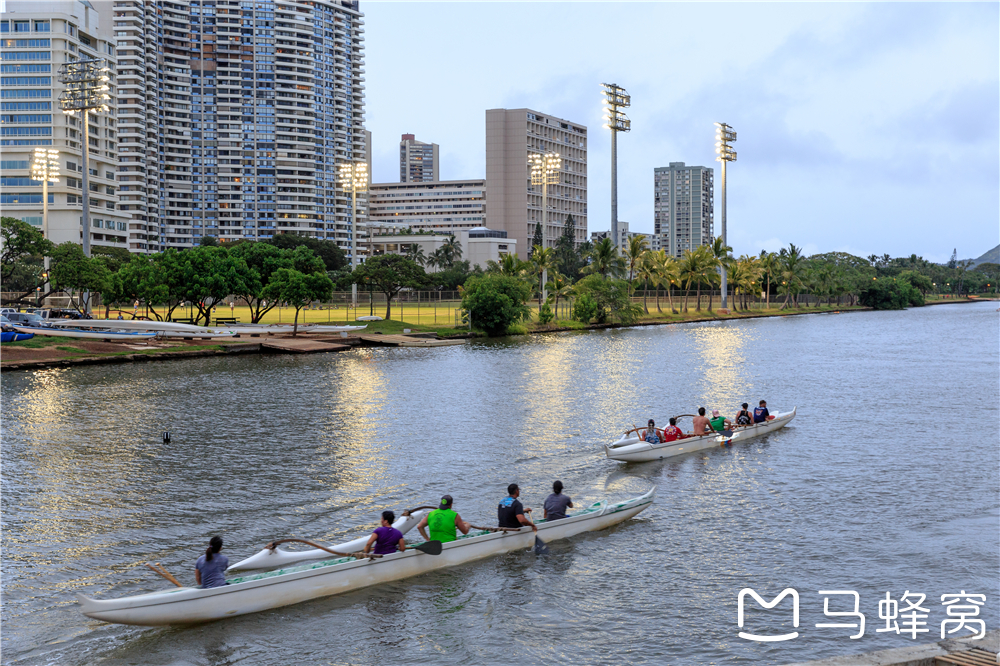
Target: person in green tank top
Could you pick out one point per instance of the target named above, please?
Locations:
(443, 522)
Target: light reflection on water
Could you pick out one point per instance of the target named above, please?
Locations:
(846, 497)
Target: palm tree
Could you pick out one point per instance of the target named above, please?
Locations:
(792, 271)
(648, 271)
(416, 252)
(542, 259)
(693, 270)
(723, 256)
(769, 266)
(669, 276)
(509, 264)
(604, 259)
(637, 246)
(558, 287)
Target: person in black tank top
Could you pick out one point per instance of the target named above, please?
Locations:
(743, 418)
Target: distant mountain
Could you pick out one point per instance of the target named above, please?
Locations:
(993, 256)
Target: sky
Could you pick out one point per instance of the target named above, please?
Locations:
(861, 127)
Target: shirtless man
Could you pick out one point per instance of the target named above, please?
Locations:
(701, 423)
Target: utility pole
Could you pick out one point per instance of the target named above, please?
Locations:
(723, 135)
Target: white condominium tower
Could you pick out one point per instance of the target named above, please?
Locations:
(683, 210)
(36, 38)
(418, 161)
(237, 115)
(515, 205)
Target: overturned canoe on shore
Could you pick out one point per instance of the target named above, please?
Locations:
(84, 334)
(274, 589)
(632, 449)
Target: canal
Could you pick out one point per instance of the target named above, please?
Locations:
(887, 481)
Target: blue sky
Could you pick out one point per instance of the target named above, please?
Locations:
(861, 127)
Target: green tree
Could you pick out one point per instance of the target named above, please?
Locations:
(991, 272)
(722, 257)
(694, 269)
(542, 259)
(495, 302)
(298, 289)
(769, 267)
(208, 241)
(456, 274)
(209, 274)
(922, 283)
(604, 259)
(390, 274)
(72, 271)
(333, 257)
(416, 252)
(558, 287)
(113, 257)
(637, 246)
(509, 264)
(792, 270)
(22, 247)
(536, 240)
(567, 259)
(888, 293)
(614, 302)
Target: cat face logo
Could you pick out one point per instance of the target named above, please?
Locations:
(795, 614)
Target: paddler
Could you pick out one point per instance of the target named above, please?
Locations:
(760, 413)
(444, 523)
(210, 569)
(719, 422)
(701, 423)
(510, 511)
(387, 539)
(743, 417)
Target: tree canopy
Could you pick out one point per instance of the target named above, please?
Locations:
(390, 274)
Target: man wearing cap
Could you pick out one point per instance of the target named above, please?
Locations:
(443, 522)
(510, 512)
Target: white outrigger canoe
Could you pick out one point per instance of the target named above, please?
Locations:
(175, 329)
(632, 449)
(292, 585)
(84, 334)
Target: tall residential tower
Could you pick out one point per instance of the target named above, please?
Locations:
(683, 210)
(513, 204)
(418, 161)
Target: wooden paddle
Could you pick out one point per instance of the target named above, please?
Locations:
(495, 529)
(540, 547)
(163, 572)
(429, 547)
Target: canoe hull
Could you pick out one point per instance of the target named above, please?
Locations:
(276, 589)
(84, 335)
(645, 452)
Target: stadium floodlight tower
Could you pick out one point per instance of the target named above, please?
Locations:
(724, 134)
(545, 171)
(88, 88)
(615, 98)
(45, 168)
(354, 176)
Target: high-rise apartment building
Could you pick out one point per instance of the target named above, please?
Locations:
(515, 205)
(683, 208)
(418, 161)
(36, 38)
(239, 114)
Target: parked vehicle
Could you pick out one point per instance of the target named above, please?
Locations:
(26, 319)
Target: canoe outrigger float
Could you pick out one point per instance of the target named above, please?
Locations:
(632, 449)
(312, 580)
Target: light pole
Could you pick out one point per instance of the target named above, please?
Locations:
(545, 171)
(45, 167)
(725, 153)
(354, 175)
(87, 89)
(615, 98)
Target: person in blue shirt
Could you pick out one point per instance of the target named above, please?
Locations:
(650, 434)
(210, 569)
(760, 414)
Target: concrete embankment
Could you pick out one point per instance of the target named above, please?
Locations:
(949, 652)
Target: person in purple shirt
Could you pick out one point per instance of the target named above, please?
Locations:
(386, 539)
(210, 569)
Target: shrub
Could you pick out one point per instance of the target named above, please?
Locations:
(611, 298)
(585, 308)
(496, 302)
(545, 314)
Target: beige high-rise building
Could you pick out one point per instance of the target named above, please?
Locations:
(683, 208)
(418, 161)
(35, 39)
(515, 205)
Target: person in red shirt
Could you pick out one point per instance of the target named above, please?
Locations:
(672, 432)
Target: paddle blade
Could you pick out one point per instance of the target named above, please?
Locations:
(429, 547)
(540, 547)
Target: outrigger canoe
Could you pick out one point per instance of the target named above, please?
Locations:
(85, 334)
(632, 449)
(312, 580)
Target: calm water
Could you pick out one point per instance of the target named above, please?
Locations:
(887, 481)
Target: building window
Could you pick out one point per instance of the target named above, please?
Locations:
(42, 26)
